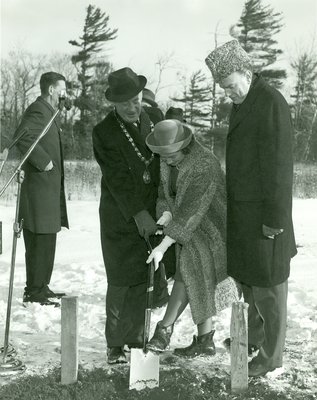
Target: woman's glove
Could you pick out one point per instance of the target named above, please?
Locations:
(159, 251)
(165, 219)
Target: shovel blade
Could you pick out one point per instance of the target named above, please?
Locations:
(144, 369)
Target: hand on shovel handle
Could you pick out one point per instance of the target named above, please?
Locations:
(155, 256)
(145, 366)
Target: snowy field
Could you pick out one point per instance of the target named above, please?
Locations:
(79, 271)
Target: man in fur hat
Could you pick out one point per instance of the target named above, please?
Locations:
(259, 176)
(129, 185)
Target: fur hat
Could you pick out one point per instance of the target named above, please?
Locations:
(124, 84)
(169, 136)
(226, 59)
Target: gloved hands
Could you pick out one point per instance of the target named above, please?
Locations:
(159, 251)
(165, 218)
(145, 224)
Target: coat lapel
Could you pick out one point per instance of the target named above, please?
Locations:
(52, 111)
(145, 124)
(134, 132)
(139, 134)
(245, 108)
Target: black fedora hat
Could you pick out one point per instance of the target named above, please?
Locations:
(124, 84)
(149, 97)
(175, 113)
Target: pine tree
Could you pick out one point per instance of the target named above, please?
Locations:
(196, 98)
(92, 74)
(255, 31)
(305, 106)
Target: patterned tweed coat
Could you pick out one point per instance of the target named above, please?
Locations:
(198, 226)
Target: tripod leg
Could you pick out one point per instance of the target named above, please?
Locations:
(16, 365)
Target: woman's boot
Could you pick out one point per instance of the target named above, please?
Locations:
(161, 338)
(203, 344)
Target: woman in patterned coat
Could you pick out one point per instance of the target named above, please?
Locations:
(192, 209)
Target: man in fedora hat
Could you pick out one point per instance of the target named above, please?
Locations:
(151, 107)
(130, 178)
(175, 113)
(259, 175)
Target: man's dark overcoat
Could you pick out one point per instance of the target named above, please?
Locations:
(259, 178)
(43, 205)
(123, 195)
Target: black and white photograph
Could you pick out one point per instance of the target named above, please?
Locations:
(158, 200)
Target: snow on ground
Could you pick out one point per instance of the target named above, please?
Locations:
(79, 271)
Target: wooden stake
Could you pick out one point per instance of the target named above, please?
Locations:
(239, 347)
(0, 237)
(69, 340)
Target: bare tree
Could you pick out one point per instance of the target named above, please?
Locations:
(164, 62)
(20, 73)
(27, 69)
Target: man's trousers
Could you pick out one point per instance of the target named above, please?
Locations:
(267, 316)
(125, 310)
(39, 260)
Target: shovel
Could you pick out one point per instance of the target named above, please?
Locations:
(145, 365)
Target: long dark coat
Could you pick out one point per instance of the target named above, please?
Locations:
(123, 195)
(259, 178)
(43, 205)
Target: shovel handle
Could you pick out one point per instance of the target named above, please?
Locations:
(149, 297)
(150, 279)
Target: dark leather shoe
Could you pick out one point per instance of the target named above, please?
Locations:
(252, 348)
(50, 294)
(25, 297)
(256, 369)
(41, 299)
(201, 345)
(161, 338)
(116, 355)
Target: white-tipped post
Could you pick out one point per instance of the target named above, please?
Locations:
(69, 340)
(239, 347)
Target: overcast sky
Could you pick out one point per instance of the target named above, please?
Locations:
(148, 29)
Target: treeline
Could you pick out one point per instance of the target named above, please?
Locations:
(203, 102)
